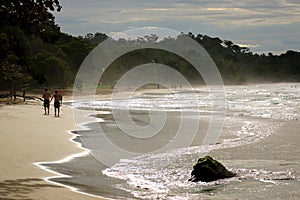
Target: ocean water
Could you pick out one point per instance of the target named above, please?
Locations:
(254, 114)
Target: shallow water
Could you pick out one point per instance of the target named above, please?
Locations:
(254, 114)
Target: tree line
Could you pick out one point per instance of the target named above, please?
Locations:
(35, 53)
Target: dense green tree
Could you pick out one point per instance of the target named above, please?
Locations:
(20, 21)
(32, 16)
(237, 64)
(75, 48)
(97, 38)
(52, 70)
(14, 49)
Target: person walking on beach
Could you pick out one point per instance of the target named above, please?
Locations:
(46, 96)
(15, 94)
(23, 95)
(57, 99)
(61, 93)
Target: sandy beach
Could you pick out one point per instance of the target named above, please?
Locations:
(29, 137)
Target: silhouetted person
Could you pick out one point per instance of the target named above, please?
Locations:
(61, 93)
(46, 96)
(23, 95)
(15, 94)
(57, 99)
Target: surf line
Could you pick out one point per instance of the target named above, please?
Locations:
(81, 127)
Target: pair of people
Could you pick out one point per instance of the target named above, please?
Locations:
(48, 98)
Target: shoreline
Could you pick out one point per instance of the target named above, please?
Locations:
(28, 139)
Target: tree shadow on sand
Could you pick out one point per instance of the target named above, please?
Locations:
(21, 188)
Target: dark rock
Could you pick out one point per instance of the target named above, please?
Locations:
(207, 169)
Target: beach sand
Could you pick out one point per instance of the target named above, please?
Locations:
(28, 137)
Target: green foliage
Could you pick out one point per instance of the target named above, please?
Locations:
(149, 55)
(97, 38)
(22, 20)
(75, 49)
(239, 65)
(31, 16)
(13, 54)
(54, 70)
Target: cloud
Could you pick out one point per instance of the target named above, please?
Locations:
(159, 9)
(227, 11)
(249, 45)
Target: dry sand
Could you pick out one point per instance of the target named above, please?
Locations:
(28, 137)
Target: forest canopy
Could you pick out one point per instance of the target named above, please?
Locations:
(35, 53)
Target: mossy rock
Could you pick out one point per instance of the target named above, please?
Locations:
(207, 169)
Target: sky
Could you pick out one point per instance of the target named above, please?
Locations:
(261, 25)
